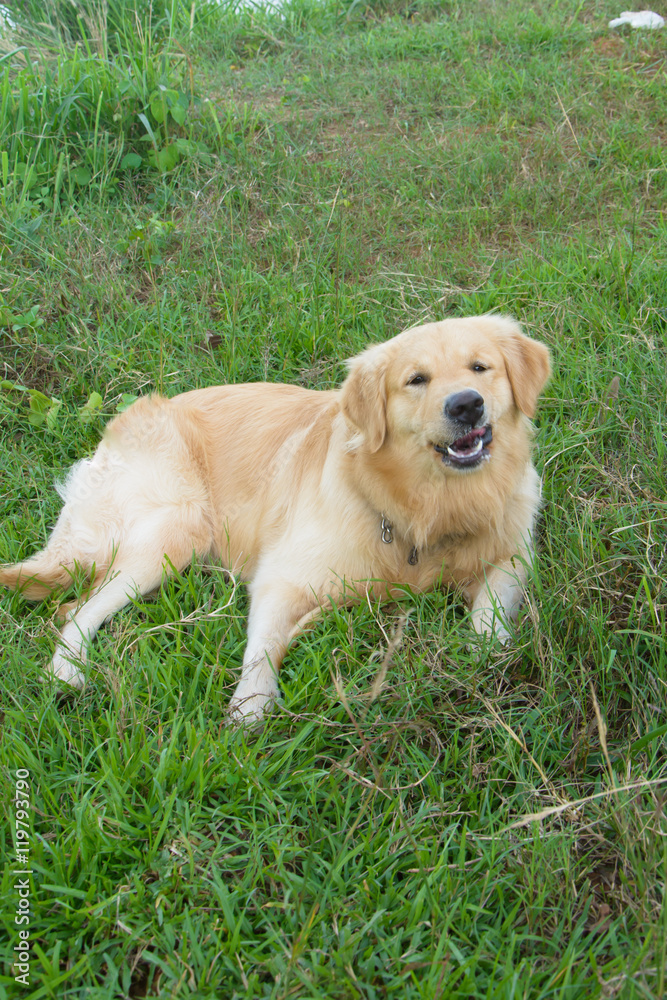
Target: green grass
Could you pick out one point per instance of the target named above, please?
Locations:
(343, 172)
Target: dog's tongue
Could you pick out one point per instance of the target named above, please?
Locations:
(468, 443)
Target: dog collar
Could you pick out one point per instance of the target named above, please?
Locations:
(387, 535)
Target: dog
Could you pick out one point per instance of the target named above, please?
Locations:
(416, 472)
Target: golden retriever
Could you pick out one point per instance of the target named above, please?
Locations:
(416, 472)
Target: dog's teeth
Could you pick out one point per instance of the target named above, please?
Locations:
(468, 453)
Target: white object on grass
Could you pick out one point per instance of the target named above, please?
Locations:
(638, 19)
(6, 23)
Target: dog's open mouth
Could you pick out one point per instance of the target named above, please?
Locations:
(467, 451)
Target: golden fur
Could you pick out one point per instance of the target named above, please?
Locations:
(292, 490)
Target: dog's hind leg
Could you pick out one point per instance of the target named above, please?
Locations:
(139, 506)
(72, 648)
(146, 555)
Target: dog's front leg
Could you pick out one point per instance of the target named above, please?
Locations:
(278, 612)
(496, 598)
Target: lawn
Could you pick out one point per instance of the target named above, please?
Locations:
(197, 195)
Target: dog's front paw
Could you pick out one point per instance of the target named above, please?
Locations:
(489, 636)
(491, 627)
(248, 706)
(498, 635)
(63, 669)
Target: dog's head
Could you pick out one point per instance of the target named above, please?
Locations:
(446, 388)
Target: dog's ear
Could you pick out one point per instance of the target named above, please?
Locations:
(364, 397)
(528, 366)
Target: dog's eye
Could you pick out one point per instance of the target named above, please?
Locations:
(478, 367)
(417, 379)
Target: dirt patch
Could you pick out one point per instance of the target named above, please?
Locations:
(33, 367)
(611, 46)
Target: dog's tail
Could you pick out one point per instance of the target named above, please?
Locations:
(45, 572)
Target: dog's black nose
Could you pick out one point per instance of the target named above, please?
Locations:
(467, 407)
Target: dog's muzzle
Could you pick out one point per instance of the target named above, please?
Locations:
(466, 408)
